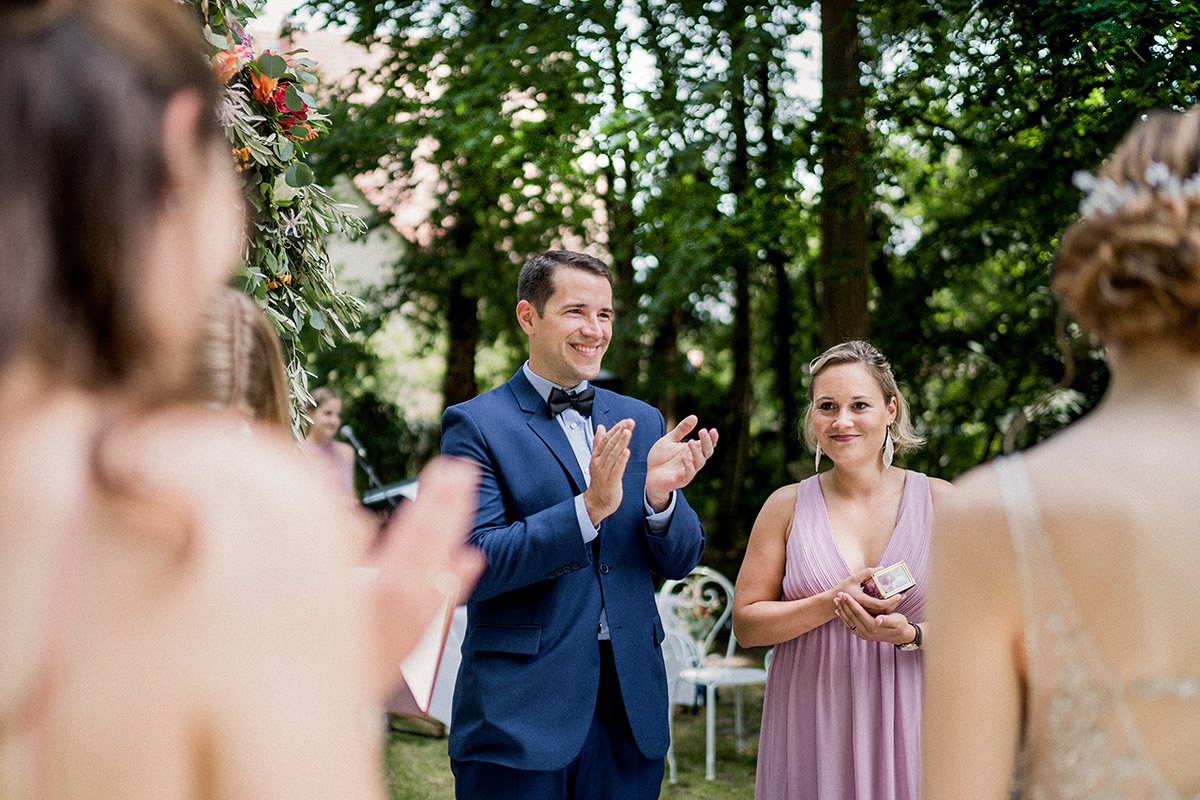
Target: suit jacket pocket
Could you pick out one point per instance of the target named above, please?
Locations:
(519, 639)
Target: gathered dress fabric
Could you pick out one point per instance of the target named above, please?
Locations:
(842, 716)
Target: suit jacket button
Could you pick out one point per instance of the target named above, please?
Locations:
(574, 565)
(604, 569)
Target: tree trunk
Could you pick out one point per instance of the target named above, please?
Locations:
(843, 262)
(462, 328)
(664, 366)
(623, 355)
(462, 319)
(735, 434)
(785, 312)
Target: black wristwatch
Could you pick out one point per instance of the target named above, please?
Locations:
(915, 644)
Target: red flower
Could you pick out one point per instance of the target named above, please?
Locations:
(290, 117)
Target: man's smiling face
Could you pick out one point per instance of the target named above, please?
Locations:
(568, 339)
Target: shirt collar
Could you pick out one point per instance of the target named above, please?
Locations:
(543, 386)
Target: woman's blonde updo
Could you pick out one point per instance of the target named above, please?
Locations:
(1129, 269)
(239, 363)
(904, 436)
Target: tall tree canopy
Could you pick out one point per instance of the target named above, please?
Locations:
(751, 221)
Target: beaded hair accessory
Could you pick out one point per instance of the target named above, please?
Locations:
(1106, 196)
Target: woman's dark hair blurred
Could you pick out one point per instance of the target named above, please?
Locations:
(84, 85)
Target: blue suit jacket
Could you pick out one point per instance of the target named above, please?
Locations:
(530, 669)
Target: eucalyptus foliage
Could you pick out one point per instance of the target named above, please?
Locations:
(270, 118)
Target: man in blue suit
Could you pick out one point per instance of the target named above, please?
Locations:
(561, 692)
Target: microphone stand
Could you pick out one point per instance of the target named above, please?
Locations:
(360, 456)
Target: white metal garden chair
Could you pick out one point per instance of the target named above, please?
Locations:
(699, 608)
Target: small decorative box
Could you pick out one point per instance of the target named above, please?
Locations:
(889, 581)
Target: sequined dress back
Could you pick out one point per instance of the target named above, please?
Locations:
(1080, 741)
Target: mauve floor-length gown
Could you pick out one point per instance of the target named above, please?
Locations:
(842, 716)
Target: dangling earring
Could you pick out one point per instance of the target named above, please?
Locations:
(817, 461)
(889, 449)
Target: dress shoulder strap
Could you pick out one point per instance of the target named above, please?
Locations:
(1020, 504)
(1034, 560)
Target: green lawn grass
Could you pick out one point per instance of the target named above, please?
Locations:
(418, 767)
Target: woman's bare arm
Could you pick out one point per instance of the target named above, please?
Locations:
(974, 666)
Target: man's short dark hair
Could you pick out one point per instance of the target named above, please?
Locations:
(536, 281)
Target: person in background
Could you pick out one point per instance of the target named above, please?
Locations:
(325, 414)
(842, 711)
(1064, 578)
(562, 689)
(166, 633)
(239, 363)
(239, 368)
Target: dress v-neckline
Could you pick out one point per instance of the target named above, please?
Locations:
(891, 538)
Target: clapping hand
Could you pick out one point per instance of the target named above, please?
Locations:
(610, 455)
(672, 462)
(424, 563)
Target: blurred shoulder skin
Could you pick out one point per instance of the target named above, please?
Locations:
(972, 527)
(245, 477)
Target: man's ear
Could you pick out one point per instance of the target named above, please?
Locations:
(181, 140)
(526, 314)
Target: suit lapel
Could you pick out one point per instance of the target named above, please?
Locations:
(546, 427)
(602, 411)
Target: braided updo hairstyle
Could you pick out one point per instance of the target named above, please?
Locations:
(1131, 271)
(239, 363)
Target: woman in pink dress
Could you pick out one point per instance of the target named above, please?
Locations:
(842, 714)
(338, 457)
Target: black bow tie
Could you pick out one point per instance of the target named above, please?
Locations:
(581, 401)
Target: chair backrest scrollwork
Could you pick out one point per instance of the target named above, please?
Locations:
(701, 606)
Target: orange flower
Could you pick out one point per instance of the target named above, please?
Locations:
(264, 87)
(242, 159)
(226, 63)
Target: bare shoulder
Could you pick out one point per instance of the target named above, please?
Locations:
(971, 526)
(207, 451)
(246, 484)
(266, 523)
(777, 510)
(345, 450)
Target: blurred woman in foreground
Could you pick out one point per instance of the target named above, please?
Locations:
(166, 633)
(1064, 590)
